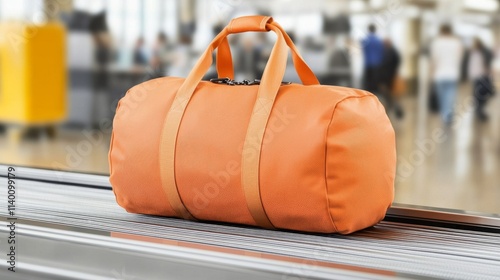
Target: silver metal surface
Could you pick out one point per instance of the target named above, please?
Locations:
(390, 249)
(48, 253)
(59, 176)
(445, 215)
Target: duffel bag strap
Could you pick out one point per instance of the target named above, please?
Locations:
(267, 91)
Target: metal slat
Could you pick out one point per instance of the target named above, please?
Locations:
(406, 249)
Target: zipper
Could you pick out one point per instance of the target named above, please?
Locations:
(227, 81)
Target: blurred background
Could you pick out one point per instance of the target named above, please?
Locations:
(433, 63)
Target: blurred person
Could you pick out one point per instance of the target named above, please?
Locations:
(261, 52)
(446, 54)
(162, 55)
(478, 64)
(432, 99)
(247, 58)
(181, 61)
(103, 56)
(353, 48)
(373, 51)
(139, 54)
(339, 63)
(388, 72)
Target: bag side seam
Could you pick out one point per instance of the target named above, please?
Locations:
(326, 153)
(113, 139)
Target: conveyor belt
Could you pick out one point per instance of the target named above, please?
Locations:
(403, 248)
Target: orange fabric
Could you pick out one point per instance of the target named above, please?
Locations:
(266, 95)
(399, 86)
(224, 66)
(249, 23)
(271, 81)
(315, 158)
(361, 157)
(171, 126)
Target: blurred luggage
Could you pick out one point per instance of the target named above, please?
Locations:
(399, 86)
(433, 101)
(484, 88)
(32, 73)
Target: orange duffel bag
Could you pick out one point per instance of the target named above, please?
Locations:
(302, 157)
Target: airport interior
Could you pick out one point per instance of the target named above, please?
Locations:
(65, 65)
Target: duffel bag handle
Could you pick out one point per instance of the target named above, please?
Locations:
(224, 61)
(266, 95)
(249, 23)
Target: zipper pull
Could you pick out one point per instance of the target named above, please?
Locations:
(220, 80)
(257, 82)
(227, 81)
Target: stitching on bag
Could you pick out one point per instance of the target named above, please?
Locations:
(113, 138)
(326, 153)
(111, 145)
(263, 23)
(230, 26)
